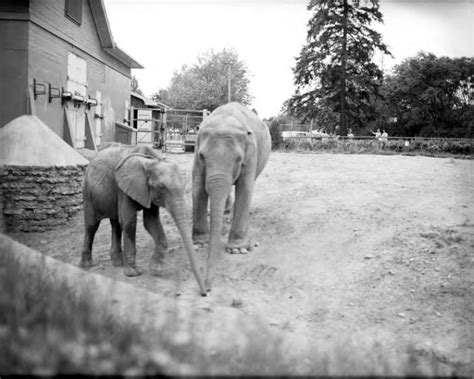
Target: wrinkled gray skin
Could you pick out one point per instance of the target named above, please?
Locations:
(232, 148)
(122, 180)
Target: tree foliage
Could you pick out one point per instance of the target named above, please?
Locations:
(134, 85)
(204, 85)
(334, 73)
(431, 96)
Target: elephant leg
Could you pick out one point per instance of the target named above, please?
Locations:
(128, 223)
(91, 223)
(151, 221)
(239, 242)
(116, 255)
(228, 204)
(200, 221)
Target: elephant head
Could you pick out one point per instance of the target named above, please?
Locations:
(151, 180)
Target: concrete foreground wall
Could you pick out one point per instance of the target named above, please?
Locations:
(216, 328)
(212, 327)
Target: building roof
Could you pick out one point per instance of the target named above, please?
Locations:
(105, 35)
(149, 102)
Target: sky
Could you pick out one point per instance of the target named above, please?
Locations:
(268, 35)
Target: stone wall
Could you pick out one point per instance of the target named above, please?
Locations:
(35, 199)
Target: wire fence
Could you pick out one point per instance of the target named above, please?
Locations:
(295, 131)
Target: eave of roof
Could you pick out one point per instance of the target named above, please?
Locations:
(123, 57)
(105, 35)
(149, 102)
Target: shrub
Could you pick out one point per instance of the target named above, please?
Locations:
(436, 147)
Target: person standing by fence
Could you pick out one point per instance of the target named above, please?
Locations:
(377, 135)
(383, 138)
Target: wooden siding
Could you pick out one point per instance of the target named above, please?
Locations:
(50, 15)
(48, 64)
(38, 49)
(13, 69)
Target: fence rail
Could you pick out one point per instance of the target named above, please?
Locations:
(395, 138)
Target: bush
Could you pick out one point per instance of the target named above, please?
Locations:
(436, 147)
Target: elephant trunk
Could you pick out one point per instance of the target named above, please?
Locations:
(218, 189)
(177, 210)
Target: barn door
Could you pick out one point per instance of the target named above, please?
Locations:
(77, 85)
(77, 117)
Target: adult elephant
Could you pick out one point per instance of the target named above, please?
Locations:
(122, 180)
(232, 148)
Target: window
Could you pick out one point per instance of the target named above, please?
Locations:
(74, 10)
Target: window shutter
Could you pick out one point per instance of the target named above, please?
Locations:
(74, 10)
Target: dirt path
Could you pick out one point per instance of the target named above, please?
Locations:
(365, 247)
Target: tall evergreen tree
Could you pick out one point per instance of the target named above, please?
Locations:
(334, 72)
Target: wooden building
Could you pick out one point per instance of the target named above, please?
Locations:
(148, 119)
(58, 61)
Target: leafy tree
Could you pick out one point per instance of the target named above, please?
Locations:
(334, 72)
(204, 85)
(431, 96)
(134, 86)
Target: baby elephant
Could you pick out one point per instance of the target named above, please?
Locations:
(122, 180)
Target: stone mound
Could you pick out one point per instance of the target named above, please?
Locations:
(27, 141)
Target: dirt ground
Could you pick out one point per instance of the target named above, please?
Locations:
(349, 245)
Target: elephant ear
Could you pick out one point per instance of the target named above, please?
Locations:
(131, 177)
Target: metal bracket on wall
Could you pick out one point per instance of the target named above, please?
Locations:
(90, 102)
(53, 92)
(65, 96)
(38, 89)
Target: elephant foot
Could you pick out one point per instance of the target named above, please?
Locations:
(240, 246)
(200, 245)
(132, 270)
(156, 267)
(201, 239)
(86, 262)
(117, 259)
